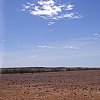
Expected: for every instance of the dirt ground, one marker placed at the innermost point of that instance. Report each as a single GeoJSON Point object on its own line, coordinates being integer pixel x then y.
{"type": "Point", "coordinates": [69, 85]}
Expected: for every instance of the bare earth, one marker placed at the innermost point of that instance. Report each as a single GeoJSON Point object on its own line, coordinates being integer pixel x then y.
{"type": "Point", "coordinates": [69, 85]}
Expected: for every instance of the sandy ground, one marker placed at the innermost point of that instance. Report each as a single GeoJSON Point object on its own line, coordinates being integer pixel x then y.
{"type": "Point", "coordinates": [71, 85]}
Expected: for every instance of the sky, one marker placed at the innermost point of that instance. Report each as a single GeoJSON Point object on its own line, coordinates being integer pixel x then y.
{"type": "Point", "coordinates": [50, 33]}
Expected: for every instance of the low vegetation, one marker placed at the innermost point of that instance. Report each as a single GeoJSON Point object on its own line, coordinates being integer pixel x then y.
{"type": "Point", "coordinates": [41, 69]}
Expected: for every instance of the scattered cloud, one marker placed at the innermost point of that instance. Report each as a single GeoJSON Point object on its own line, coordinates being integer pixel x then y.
{"type": "Point", "coordinates": [44, 46]}
{"type": "Point", "coordinates": [59, 47]}
{"type": "Point", "coordinates": [70, 47]}
{"type": "Point", "coordinates": [75, 44]}
{"type": "Point", "coordinates": [96, 34]}
{"type": "Point", "coordinates": [50, 23]}
{"type": "Point", "coordinates": [51, 10]}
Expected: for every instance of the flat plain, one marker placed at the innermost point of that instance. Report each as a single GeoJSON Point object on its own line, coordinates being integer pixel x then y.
{"type": "Point", "coordinates": [68, 85]}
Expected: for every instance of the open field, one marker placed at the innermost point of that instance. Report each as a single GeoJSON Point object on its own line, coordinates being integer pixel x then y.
{"type": "Point", "coordinates": [65, 85]}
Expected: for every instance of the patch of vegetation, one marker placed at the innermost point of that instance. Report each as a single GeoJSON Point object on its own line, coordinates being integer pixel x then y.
{"type": "Point", "coordinates": [41, 69]}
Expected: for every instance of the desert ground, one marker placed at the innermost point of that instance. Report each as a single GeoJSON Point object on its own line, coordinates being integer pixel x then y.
{"type": "Point", "coordinates": [68, 85]}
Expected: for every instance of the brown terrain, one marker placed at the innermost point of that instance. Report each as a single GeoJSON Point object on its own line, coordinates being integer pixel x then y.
{"type": "Point", "coordinates": [65, 85]}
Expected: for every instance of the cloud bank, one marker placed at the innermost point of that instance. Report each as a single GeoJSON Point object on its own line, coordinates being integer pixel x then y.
{"type": "Point", "coordinates": [51, 10]}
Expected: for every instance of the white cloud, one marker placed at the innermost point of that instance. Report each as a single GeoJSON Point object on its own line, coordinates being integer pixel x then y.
{"type": "Point", "coordinates": [44, 46]}
{"type": "Point", "coordinates": [50, 23]}
{"type": "Point", "coordinates": [49, 2]}
{"type": "Point", "coordinates": [51, 10]}
{"type": "Point", "coordinates": [96, 34]}
{"type": "Point", "coordinates": [70, 47]}
{"type": "Point", "coordinates": [59, 46]}
{"type": "Point", "coordinates": [69, 7]}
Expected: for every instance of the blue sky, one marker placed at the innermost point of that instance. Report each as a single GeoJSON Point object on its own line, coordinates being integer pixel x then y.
{"type": "Point", "coordinates": [50, 33]}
